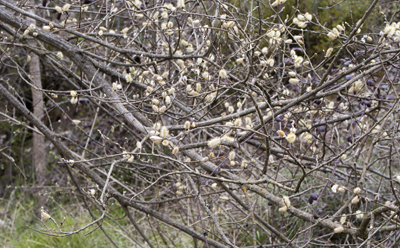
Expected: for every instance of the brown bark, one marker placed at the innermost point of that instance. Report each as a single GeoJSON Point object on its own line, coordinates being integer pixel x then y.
{"type": "Point", "coordinates": [39, 149]}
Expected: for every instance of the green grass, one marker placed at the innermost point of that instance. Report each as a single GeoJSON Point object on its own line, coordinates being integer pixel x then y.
{"type": "Point", "coordinates": [17, 234]}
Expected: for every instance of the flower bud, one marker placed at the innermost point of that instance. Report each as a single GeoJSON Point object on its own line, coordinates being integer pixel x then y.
{"type": "Point", "coordinates": [74, 100]}
{"type": "Point", "coordinates": [338, 229]}
{"type": "Point", "coordinates": [286, 201]}
{"type": "Point", "coordinates": [214, 142]}
{"type": "Point", "coordinates": [58, 9]}
{"type": "Point", "coordinates": [175, 150]}
{"type": "Point", "coordinates": [156, 139]}
{"type": "Point", "coordinates": [44, 215]}
{"type": "Point", "coordinates": [283, 209]}
{"type": "Point", "coordinates": [294, 80]}
{"type": "Point", "coordinates": [329, 52]}
{"type": "Point", "coordinates": [356, 191]}
{"type": "Point", "coordinates": [223, 73]}
{"type": "Point", "coordinates": [291, 137]}
{"type": "Point", "coordinates": [335, 188]}
{"type": "Point", "coordinates": [164, 132]}
{"type": "Point", "coordinates": [232, 155]}
{"type": "Point", "coordinates": [359, 214]}
{"type": "Point", "coordinates": [281, 133]}
{"type": "Point", "coordinates": [187, 125]}
{"type": "Point", "coordinates": [343, 219]}
{"type": "Point", "coordinates": [355, 200]}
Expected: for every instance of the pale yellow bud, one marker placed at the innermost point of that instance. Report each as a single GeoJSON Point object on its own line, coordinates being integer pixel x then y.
{"type": "Point", "coordinates": [162, 109]}
{"type": "Point", "coordinates": [294, 80]}
{"type": "Point", "coordinates": [44, 215]}
{"type": "Point", "coordinates": [283, 209]}
{"type": "Point", "coordinates": [339, 229]}
{"type": "Point", "coordinates": [66, 7]}
{"type": "Point", "coordinates": [240, 60]}
{"type": "Point", "coordinates": [355, 200]}
{"type": "Point", "coordinates": [286, 201]}
{"type": "Point", "coordinates": [58, 9]}
{"type": "Point", "coordinates": [232, 155]}
{"type": "Point", "coordinates": [131, 159]}
{"type": "Point", "coordinates": [74, 100]}
{"type": "Point", "coordinates": [335, 188]}
{"type": "Point", "coordinates": [156, 139]}
{"type": "Point", "coordinates": [223, 73]}
{"type": "Point", "coordinates": [343, 219]}
{"type": "Point", "coordinates": [356, 191]}
{"type": "Point", "coordinates": [187, 125]}
{"type": "Point", "coordinates": [175, 150]}
{"type": "Point", "coordinates": [359, 214]}
{"type": "Point", "coordinates": [291, 137]}
{"type": "Point", "coordinates": [214, 142]}
{"type": "Point", "coordinates": [164, 132]}
{"type": "Point", "coordinates": [329, 52]}
{"type": "Point", "coordinates": [60, 55]}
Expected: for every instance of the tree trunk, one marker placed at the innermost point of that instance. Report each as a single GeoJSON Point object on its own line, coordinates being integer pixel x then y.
{"type": "Point", "coordinates": [39, 152]}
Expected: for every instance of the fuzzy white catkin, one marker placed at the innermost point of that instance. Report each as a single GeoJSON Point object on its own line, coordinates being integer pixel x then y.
{"type": "Point", "coordinates": [286, 201]}
{"type": "Point", "coordinates": [338, 229]}
{"type": "Point", "coordinates": [223, 73]}
{"type": "Point", "coordinates": [283, 209]}
{"type": "Point", "coordinates": [175, 150]}
{"type": "Point", "coordinates": [343, 219]}
{"type": "Point", "coordinates": [45, 215]}
{"type": "Point", "coordinates": [291, 137]}
{"type": "Point", "coordinates": [329, 52]}
{"type": "Point", "coordinates": [164, 132]}
{"type": "Point", "coordinates": [58, 9]}
{"type": "Point", "coordinates": [187, 125]}
{"type": "Point", "coordinates": [232, 155]}
{"type": "Point", "coordinates": [157, 140]}
{"type": "Point", "coordinates": [214, 142]}
{"type": "Point", "coordinates": [355, 200]}
{"type": "Point", "coordinates": [180, 4]}
{"type": "Point", "coordinates": [294, 80]}
{"type": "Point", "coordinates": [74, 100]}
{"type": "Point", "coordinates": [162, 109]}
{"type": "Point", "coordinates": [168, 100]}
{"type": "Point", "coordinates": [264, 50]}
{"type": "Point", "coordinates": [66, 7]}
